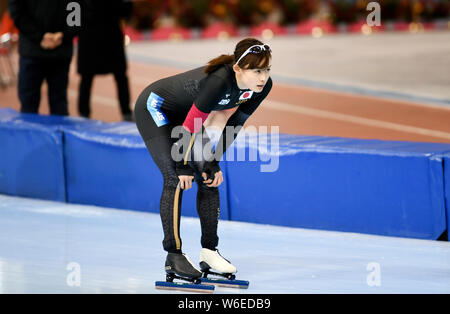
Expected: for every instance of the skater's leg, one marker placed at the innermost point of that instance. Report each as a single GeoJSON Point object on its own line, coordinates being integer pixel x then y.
{"type": "Point", "coordinates": [170, 210]}
{"type": "Point", "coordinates": [208, 200]}
{"type": "Point", "coordinates": [171, 197]}
{"type": "Point", "coordinates": [159, 143]}
{"type": "Point", "coordinates": [208, 208]}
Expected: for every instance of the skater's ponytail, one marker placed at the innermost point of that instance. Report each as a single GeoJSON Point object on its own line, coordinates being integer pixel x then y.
{"type": "Point", "coordinates": [249, 61]}
{"type": "Point", "coordinates": [216, 63]}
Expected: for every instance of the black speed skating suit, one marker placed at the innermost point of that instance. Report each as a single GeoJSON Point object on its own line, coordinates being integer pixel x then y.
{"type": "Point", "coordinates": [164, 105]}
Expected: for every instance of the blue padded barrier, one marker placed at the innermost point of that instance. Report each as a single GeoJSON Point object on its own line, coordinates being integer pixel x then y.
{"type": "Point", "coordinates": [365, 186]}
{"type": "Point", "coordinates": [108, 165]}
{"type": "Point", "coordinates": [31, 155]}
{"type": "Point", "coordinates": [446, 159]}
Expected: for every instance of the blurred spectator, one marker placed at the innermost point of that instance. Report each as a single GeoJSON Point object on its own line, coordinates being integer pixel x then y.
{"type": "Point", "coordinates": [101, 51]}
{"type": "Point", "coordinates": [7, 24]}
{"type": "Point", "coordinates": [248, 13]}
{"type": "Point", "coordinates": [3, 6]}
{"type": "Point", "coordinates": [45, 49]}
{"type": "Point", "coordinates": [8, 41]}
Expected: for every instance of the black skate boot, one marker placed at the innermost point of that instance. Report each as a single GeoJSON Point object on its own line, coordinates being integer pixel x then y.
{"type": "Point", "coordinates": [179, 266]}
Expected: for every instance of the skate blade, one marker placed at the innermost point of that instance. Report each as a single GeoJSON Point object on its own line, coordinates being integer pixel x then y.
{"type": "Point", "coordinates": [183, 286]}
{"type": "Point", "coordinates": [241, 284]}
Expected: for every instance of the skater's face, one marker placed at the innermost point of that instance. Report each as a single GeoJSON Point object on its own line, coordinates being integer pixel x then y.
{"type": "Point", "coordinates": [253, 79]}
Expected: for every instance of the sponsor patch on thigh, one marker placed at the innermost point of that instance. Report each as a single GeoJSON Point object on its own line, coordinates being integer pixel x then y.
{"type": "Point", "coordinates": [154, 103]}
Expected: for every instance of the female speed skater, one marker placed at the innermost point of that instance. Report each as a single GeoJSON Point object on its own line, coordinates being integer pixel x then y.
{"type": "Point", "coordinates": [229, 88]}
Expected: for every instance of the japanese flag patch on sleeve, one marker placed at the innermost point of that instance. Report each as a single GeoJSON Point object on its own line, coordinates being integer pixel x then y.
{"type": "Point", "coordinates": [246, 95]}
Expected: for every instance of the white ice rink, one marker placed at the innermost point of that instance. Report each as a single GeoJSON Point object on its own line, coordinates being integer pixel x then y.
{"type": "Point", "coordinates": [50, 247]}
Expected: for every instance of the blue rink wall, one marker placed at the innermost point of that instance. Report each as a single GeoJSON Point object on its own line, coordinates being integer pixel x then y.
{"type": "Point", "coordinates": [367, 186]}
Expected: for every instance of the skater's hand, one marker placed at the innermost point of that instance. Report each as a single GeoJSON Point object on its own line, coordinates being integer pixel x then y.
{"type": "Point", "coordinates": [186, 182]}
{"type": "Point", "coordinates": [218, 179]}
{"type": "Point", "coordinates": [212, 175]}
{"type": "Point", "coordinates": [185, 173]}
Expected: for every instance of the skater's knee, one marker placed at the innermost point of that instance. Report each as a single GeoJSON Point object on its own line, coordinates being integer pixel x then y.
{"type": "Point", "coordinates": [208, 189]}
{"type": "Point", "coordinates": [171, 181]}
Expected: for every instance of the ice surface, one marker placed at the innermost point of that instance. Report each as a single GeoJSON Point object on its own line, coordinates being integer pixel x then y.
{"type": "Point", "coordinates": [45, 247]}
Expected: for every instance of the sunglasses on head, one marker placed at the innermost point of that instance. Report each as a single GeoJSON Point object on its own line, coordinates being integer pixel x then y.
{"type": "Point", "coordinates": [255, 49]}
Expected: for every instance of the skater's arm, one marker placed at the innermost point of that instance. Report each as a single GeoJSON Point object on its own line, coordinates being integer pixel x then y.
{"type": "Point", "coordinates": [211, 90]}
{"type": "Point", "coordinates": [238, 119]}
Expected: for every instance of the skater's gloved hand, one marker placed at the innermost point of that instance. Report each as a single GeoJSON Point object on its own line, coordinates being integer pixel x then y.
{"type": "Point", "coordinates": [212, 174]}
{"type": "Point", "coordinates": [180, 151]}
{"type": "Point", "coordinates": [186, 174]}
